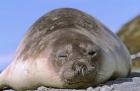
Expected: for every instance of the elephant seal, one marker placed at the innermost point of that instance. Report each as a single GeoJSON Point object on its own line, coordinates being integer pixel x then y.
{"type": "Point", "coordinates": [132, 28]}
{"type": "Point", "coordinates": [66, 48]}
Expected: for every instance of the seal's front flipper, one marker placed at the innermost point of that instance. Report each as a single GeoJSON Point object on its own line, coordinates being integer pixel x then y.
{"type": "Point", "coordinates": [1, 82]}
{"type": "Point", "coordinates": [3, 86]}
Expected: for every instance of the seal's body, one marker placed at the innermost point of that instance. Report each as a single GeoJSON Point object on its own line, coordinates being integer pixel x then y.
{"type": "Point", "coordinates": [66, 48]}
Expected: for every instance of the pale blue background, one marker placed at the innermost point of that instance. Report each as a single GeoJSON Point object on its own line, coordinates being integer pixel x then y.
{"type": "Point", "coordinates": [16, 16]}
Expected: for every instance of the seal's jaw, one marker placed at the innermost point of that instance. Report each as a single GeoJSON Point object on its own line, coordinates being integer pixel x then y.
{"type": "Point", "coordinates": [77, 74]}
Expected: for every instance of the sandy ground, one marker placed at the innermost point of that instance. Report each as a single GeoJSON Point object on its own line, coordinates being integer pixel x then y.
{"type": "Point", "coordinates": [132, 83]}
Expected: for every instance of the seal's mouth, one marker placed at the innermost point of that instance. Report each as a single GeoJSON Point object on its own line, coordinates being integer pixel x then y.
{"type": "Point", "coordinates": [71, 82]}
{"type": "Point", "coordinates": [79, 84]}
{"type": "Point", "coordinates": [73, 79]}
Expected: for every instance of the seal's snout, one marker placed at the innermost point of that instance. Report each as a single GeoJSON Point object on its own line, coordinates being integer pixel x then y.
{"type": "Point", "coordinates": [81, 69]}
{"type": "Point", "coordinates": [79, 72]}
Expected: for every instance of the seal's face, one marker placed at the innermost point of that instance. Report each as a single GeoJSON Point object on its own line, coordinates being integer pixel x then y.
{"type": "Point", "coordinates": [75, 58]}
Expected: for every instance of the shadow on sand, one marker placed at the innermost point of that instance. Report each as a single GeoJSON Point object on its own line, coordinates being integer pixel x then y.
{"type": "Point", "coordinates": [122, 80]}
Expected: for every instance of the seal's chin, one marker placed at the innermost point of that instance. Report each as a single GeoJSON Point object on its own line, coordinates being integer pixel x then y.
{"type": "Point", "coordinates": [74, 79]}
{"type": "Point", "coordinates": [71, 82]}
{"type": "Point", "coordinates": [79, 84]}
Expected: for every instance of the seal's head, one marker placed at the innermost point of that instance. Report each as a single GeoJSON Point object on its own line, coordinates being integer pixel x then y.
{"type": "Point", "coordinates": [75, 58]}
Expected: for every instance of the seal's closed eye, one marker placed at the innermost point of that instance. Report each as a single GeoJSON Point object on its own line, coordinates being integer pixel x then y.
{"type": "Point", "coordinates": [62, 55]}
{"type": "Point", "coordinates": [92, 53]}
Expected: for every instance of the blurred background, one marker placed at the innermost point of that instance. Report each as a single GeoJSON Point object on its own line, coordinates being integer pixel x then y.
{"type": "Point", "coordinates": [16, 16]}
